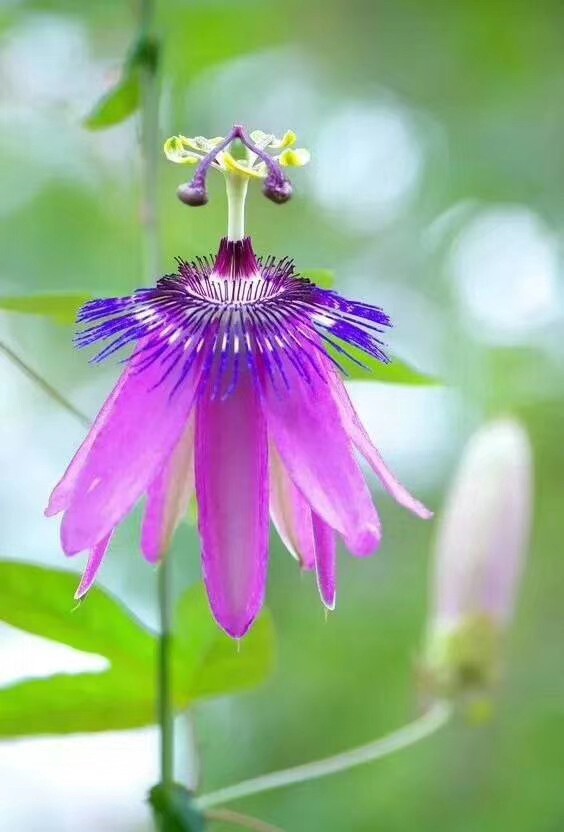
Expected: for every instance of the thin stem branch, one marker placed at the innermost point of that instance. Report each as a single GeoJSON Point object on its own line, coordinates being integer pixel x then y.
{"type": "Point", "coordinates": [164, 674]}
{"type": "Point", "coordinates": [437, 716]}
{"type": "Point", "coordinates": [237, 819]}
{"type": "Point", "coordinates": [47, 388]}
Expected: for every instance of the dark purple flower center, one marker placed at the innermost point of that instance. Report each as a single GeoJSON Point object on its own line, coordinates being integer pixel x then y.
{"type": "Point", "coordinates": [235, 314]}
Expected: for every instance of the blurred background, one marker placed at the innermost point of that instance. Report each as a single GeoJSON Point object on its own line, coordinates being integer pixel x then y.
{"type": "Point", "coordinates": [435, 190]}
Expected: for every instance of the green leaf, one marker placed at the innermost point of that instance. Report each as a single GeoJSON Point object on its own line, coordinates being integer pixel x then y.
{"type": "Point", "coordinates": [124, 99]}
{"type": "Point", "coordinates": [208, 662]}
{"type": "Point", "coordinates": [40, 601]}
{"type": "Point", "coordinates": [324, 278]}
{"type": "Point", "coordinates": [117, 104]}
{"type": "Point", "coordinates": [62, 309]}
{"type": "Point", "coordinates": [205, 661]}
{"type": "Point", "coordinates": [174, 809]}
{"type": "Point", "coordinates": [81, 703]}
{"type": "Point", "coordinates": [397, 372]}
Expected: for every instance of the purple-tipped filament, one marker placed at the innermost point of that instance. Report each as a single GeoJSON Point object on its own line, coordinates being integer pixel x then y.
{"type": "Point", "coordinates": [277, 186]}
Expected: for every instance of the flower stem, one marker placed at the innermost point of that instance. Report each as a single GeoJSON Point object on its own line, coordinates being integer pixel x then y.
{"type": "Point", "coordinates": [150, 100]}
{"type": "Point", "coordinates": [166, 713]}
{"type": "Point", "coordinates": [150, 97]}
{"type": "Point", "coordinates": [437, 716]}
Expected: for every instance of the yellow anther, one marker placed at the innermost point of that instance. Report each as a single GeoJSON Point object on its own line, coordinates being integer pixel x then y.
{"type": "Point", "coordinates": [289, 139]}
{"type": "Point", "coordinates": [294, 158]}
{"type": "Point", "coordinates": [175, 150]}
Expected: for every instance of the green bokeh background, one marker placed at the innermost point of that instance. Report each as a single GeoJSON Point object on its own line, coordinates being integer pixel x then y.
{"type": "Point", "coordinates": [478, 87]}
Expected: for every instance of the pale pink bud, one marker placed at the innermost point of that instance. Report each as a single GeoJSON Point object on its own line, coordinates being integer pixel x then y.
{"type": "Point", "coordinates": [481, 545]}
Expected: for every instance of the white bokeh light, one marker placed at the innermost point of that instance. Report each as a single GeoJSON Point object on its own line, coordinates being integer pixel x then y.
{"type": "Point", "coordinates": [505, 264]}
{"type": "Point", "coordinates": [46, 59]}
{"type": "Point", "coordinates": [287, 92]}
{"type": "Point", "coordinates": [368, 163]}
{"type": "Point", "coordinates": [49, 79]}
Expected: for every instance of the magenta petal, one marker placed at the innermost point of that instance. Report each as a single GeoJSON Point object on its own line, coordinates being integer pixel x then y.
{"type": "Point", "coordinates": [63, 491]}
{"type": "Point", "coordinates": [168, 497]}
{"type": "Point", "coordinates": [306, 428]}
{"type": "Point", "coordinates": [232, 486]}
{"type": "Point", "coordinates": [93, 566]}
{"type": "Point", "coordinates": [144, 423]}
{"type": "Point", "coordinates": [290, 513]}
{"type": "Point", "coordinates": [362, 442]}
{"type": "Point", "coordinates": [325, 561]}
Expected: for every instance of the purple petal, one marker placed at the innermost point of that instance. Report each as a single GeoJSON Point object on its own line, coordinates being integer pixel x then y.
{"type": "Point", "coordinates": [305, 425]}
{"type": "Point", "coordinates": [232, 486]}
{"type": "Point", "coordinates": [325, 561]}
{"type": "Point", "coordinates": [290, 513]}
{"type": "Point", "coordinates": [93, 566]}
{"type": "Point", "coordinates": [143, 424]}
{"type": "Point", "coordinates": [362, 442]}
{"type": "Point", "coordinates": [168, 497]}
{"type": "Point", "coordinates": [63, 491]}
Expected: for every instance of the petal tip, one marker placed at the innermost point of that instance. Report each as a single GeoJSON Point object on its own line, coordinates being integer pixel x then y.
{"type": "Point", "coordinates": [152, 554]}
{"type": "Point", "coordinates": [329, 602]}
{"type": "Point", "coordinates": [69, 544]}
{"type": "Point", "coordinates": [53, 507]}
{"type": "Point", "coordinates": [366, 542]}
{"type": "Point", "coordinates": [419, 510]}
{"type": "Point", "coordinates": [236, 629]}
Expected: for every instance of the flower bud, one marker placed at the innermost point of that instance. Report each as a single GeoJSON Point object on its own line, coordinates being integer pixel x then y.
{"type": "Point", "coordinates": [479, 555]}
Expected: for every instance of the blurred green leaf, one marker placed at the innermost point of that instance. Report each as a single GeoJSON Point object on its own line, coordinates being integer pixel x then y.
{"type": "Point", "coordinates": [209, 663]}
{"type": "Point", "coordinates": [397, 372]}
{"type": "Point", "coordinates": [40, 601]}
{"type": "Point", "coordinates": [174, 809]}
{"type": "Point", "coordinates": [123, 99]}
{"type": "Point", "coordinates": [81, 703]}
{"type": "Point", "coordinates": [117, 104]}
{"type": "Point", "coordinates": [144, 54]}
{"type": "Point", "coordinates": [324, 278]}
{"type": "Point", "coordinates": [62, 309]}
{"type": "Point", "coordinates": [206, 662]}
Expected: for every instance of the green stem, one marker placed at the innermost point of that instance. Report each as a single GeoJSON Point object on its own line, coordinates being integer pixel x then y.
{"type": "Point", "coordinates": [47, 388]}
{"type": "Point", "coordinates": [437, 716]}
{"type": "Point", "coordinates": [151, 237]}
{"type": "Point", "coordinates": [237, 819]}
{"type": "Point", "coordinates": [164, 676]}
{"type": "Point", "coordinates": [150, 86]}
